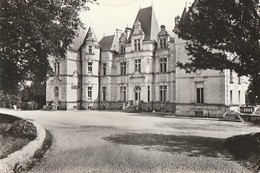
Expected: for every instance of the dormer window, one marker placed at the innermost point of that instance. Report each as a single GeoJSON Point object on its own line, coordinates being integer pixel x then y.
{"type": "Point", "coordinates": [137, 44]}
{"type": "Point", "coordinates": [162, 38]}
{"type": "Point", "coordinates": [90, 49]}
{"type": "Point", "coordinates": [163, 43]}
{"type": "Point", "coordinates": [122, 49]}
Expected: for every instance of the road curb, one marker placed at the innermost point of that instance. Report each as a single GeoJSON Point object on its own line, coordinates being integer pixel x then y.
{"type": "Point", "coordinates": [22, 158]}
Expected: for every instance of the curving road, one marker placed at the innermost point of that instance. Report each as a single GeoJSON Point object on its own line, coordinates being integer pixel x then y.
{"type": "Point", "coordinates": [114, 142]}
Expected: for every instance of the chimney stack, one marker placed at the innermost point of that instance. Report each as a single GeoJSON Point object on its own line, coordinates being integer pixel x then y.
{"type": "Point", "coordinates": [127, 32]}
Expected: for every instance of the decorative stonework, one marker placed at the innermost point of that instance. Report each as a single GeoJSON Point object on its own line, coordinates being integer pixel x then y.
{"type": "Point", "coordinates": [137, 29]}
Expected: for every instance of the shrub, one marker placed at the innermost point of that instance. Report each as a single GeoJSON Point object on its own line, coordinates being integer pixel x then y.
{"type": "Point", "coordinates": [8, 100]}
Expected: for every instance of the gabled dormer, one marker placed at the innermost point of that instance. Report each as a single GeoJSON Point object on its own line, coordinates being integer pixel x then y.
{"type": "Point", "coordinates": [145, 29]}
{"type": "Point", "coordinates": [90, 37]}
{"type": "Point", "coordinates": [137, 36]}
{"type": "Point", "coordinates": [137, 29]}
{"type": "Point", "coordinates": [163, 38]}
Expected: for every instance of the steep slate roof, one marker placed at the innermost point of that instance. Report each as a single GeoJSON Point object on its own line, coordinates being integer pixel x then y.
{"type": "Point", "coordinates": [91, 36]}
{"type": "Point", "coordinates": [107, 42]}
{"type": "Point", "coordinates": [149, 24]}
{"type": "Point", "coordinates": [81, 37]}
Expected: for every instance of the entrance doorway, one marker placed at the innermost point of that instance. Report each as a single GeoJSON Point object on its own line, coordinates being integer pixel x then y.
{"type": "Point", "coordinates": [137, 95]}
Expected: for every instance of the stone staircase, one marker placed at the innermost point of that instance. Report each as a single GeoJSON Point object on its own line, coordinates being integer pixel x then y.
{"type": "Point", "coordinates": [132, 109]}
{"type": "Point", "coordinates": [50, 107]}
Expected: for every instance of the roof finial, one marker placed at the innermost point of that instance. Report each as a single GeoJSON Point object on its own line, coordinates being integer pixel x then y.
{"type": "Point", "coordinates": [139, 6]}
{"type": "Point", "coordinates": [186, 4]}
{"type": "Point", "coordinates": [152, 3]}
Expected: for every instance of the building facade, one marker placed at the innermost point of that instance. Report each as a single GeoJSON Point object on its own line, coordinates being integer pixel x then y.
{"type": "Point", "coordinates": [137, 67]}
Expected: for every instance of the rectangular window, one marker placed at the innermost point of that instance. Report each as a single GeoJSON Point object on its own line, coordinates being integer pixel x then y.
{"type": "Point", "coordinates": [122, 49]}
{"type": "Point", "coordinates": [137, 44]}
{"type": "Point", "coordinates": [90, 67]}
{"type": "Point", "coordinates": [123, 93]}
{"type": "Point", "coordinates": [56, 91]}
{"type": "Point", "coordinates": [89, 92]}
{"type": "Point", "coordinates": [163, 65]}
{"type": "Point", "coordinates": [231, 97]}
{"type": "Point", "coordinates": [239, 80]}
{"type": "Point", "coordinates": [148, 93]}
{"type": "Point", "coordinates": [90, 49]}
{"type": "Point", "coordinates": [57, 67]}
{"type": "Point", "coordinates": [104, 69]}
{"type": "Point", "coordinates": [163, 43]}
{"type": "Point", "coordinates": [163, 92]}
{"type": "Point", "coordinates": [200, 95]}
{"type": "Point", "coordinates": [231, 76]}
{"type": "Point", "coordinates": [123, 68]}
{"type": "Point", "coordinates": [138, 65]}
{"type": "Point", "coordinates": [104, 91]}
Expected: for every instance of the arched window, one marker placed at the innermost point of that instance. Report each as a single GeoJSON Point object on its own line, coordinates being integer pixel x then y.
{"type": "Point", "coordinates": [56, 91]}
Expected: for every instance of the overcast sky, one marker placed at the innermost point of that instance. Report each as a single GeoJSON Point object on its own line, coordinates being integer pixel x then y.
{"type": "Point", "coordinates": [110, 15]}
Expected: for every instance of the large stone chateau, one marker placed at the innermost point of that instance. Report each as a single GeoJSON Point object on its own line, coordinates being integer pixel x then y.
{"type": "Point", "coordinates": [138, 67]}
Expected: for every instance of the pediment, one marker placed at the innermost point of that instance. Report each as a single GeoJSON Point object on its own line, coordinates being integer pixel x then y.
{"type": "Point", "coordinates": [137, 29]}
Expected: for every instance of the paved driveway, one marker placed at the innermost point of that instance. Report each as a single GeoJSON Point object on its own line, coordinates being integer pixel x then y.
{"type": "Point", "coordinates": [113, 142]}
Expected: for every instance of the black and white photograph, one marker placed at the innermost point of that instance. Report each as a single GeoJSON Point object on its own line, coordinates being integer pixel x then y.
{"type": "Point", "coordinates": [129, 86]}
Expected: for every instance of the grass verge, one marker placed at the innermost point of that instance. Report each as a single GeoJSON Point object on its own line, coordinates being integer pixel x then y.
{"type": "Point", "coordinates": [39, 154]}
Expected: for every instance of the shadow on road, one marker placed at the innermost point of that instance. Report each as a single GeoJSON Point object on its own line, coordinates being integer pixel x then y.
{"type": "Point", "coordinates": [193, 146]}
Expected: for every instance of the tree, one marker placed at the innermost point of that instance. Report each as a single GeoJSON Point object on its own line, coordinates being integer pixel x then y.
{"type": "Point", "coordinates": [36, 92]}
{"type": "Point", "coordinates": [30, 32]}
{"type": "Point", "coordinates": [253, 93]}
{"type": "Point", "coordinates": [222, 34]}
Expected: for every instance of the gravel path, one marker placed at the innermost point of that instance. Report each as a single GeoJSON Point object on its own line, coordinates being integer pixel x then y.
{"type": "Point", "coordinates": [113, 142]}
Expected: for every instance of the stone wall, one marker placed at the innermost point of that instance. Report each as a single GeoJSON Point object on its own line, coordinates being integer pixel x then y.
{"type": "Point", "coordinates": [112, 105]}
{"type": "Point", "coordinates": [199, 110]}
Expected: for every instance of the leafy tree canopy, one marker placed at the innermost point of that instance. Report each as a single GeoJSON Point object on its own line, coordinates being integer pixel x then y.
{"type": "Point", "coordinates": [32, 30]}
{"type": "Point", "coordinates": [222, 34]}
